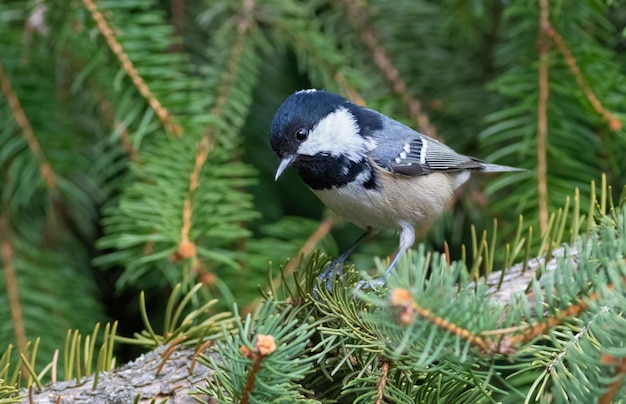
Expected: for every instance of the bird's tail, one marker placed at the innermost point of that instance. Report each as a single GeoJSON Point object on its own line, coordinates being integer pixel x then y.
{"type": "Point", "coordinates": [497, 168]}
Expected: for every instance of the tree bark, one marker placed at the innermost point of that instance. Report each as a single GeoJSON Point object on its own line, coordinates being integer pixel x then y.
{"type": "Point", "coordinates": [136, 380]}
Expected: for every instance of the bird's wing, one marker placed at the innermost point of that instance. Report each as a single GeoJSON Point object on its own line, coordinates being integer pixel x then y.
{"type": "Point", "coordinates": [421, 155]}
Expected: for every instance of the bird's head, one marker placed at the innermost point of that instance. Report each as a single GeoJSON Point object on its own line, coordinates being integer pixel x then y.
{"type": "Point", "coordinates": [312, 126]}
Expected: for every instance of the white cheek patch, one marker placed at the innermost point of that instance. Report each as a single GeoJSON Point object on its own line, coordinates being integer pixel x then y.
{"type": "Point", "coordinates": [337, 134]}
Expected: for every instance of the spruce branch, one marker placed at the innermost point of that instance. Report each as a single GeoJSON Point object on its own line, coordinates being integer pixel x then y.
{"type": "Point", "coordinates": [265, 345]}
{"type": "Point", "coordinates": [348, 90]}
{"type": "Point", "coordinates": [245, 23]}
{"type": "Point", "coordinates": [380, 394]}
{"type": "Point", "coordinates": [107, 110]}
{"type": "Point", "coordinates": [110, 37]}
{"type": "Point", "coordinates": [168, 352]}
{"type": "Point", "coordinates": [618, 378]}
{"type": "Point", "coordinates": [320, 53]}
{"type": "Point", "coordinates": [177, 9]}
{"type": "Point", "coordinates": [272, 344]}
{"type": "Point", "coordinates": [548, 32]}
{"type": "Point", "coordinates": [307, 248]}
{"type": "Point", "coordinates": [12, 282]}
{"type": "Point", "coordinates": [265, 359]}
{"type": "Point", "coordinates": [9, 394]}
{"type": "Point", "coordinates": [27, 131]}
{"type": "Point", "coordinates": [186, 247]}
{"type": "Point", "coordinates": [409, 308]}
{"type": "Point", "coordinates": [613, 122]}
{"type": "Point", "coordinates": [542, 118]}
{"type": "Point", "coordinates": [358, 18]}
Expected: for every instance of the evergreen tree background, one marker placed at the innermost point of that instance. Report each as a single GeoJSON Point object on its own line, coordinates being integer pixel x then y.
{"type": "Point", "coordinates": [134, 144]}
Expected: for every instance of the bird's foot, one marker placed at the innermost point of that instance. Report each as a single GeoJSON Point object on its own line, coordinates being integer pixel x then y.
{"type": "Point", "coordinates": [371, 284]}
{"type": "Point", "coordinates": [374, 284]}
{"type": "Point", "coordinates": [328, 275]}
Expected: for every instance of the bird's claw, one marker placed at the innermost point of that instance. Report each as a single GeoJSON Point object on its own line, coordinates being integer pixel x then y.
{"type": "Point", "coordinates": [327, 276]}
{"type": "Point", "coordinates": [371, 284]}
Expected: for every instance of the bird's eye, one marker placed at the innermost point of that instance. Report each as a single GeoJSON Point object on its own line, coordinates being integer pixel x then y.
{"type": "Point", "coordinates": [302, 134]}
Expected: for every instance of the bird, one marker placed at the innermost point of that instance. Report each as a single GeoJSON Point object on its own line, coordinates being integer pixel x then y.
{"type": "Point", "coordinates": [367, 167]}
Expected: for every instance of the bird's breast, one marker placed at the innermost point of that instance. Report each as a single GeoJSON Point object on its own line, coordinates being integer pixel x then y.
{"type": "Point", "coordinates": [395, 199]}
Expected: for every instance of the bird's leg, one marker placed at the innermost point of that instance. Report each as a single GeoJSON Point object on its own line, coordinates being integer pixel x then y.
{"type": "Point", "coordinates": [336, 266]}
{"type": "Point", "coordinates": [407, 238]}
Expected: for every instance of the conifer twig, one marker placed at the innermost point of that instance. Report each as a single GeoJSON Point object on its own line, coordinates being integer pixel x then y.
{"type": "Point", "coordinates": [358, 18]}
{"type": "Point", "coordinates": [164, 115]}
{"type": "Point", "coordinates": [614, 123]}
{"type": "Point", "coordinates": [187, 248]}
{"type": "Point", "coordinates": [322, 231]}
{"type": "Point", "coordinates": [620, 372]}
{"type": "Point", "coordinates": [265, 345]}
{"type": "Point", "coordinates": [27, 130]}
{"type": "Point", "coordinates": [197, 354]}
{"type": "Point", "coordinates": [177, 8]}
{"type": "Point", "coordinates": [509, 343]}
{"type": "Point", "coordinates": [246, 21]}
{"type": "Point", "coordinates": [542, 117]}
{"type": "Point", "coordinates": [380, 394]}
{"type": "Point", "coordinates": [168, 352]}
{"type": "Point", "coordinates": [11, 281]}
{"type": "Point", "coordinates": [409, 308]}
{"type": "Point", "coordinates": [534, 331]}
{"type": "Point", "coordinates": [350, 92]}
{"type": "Point", "coordinates": [105, 107]}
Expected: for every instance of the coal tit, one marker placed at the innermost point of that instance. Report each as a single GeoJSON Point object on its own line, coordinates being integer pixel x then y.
{"type": "Point", "coordinates": [367, 167]}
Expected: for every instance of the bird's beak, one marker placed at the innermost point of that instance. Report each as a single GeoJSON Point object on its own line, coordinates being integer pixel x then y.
{"type": "Point", "coordinates": [284, 163]}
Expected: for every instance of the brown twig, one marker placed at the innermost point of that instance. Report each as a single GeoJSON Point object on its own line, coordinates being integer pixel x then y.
{"type": "Point", "coordinates": [265, 345]}
{"type": "Point", "coordinates": [534, 331]}
{"type": "Point", "coordinates": [349, 91]}
{"type": "Point", "coordinates": [27, 130]}
{"type": "Point", "coordinates": [509, 343]}
{"type": "Point", "coordinates": [322, 231]}
{"type": "Point", "coordinates": [251, 379]}
{"type": "Point", "coordinates": [55, 362]}
{"type": "Point", "coordinates": [178, 22]}
{"type": "Point", "coordinates": [246, 21]}
{"type": "Point", "coordinates": [446, 252]}
{"type": "Point", "coordinates": [542, 117]}
{"type": "Point", "coordinates": [10, 277]}
{"type": "Point", "coordinates": [380, 394]}
{"type": "Point", "coordinates": [614, 387]}
{"type": "Point", "coordinates": [103, 26]}
{"type": "Point", "coordinates": [614, 122]}
{"type": "Point", "coordinates": [186, 248]}
{"type": "Point", "coordinates": [197, 354]}
{"type": "Point", "coordinates": [168, 352]}
{"type": "Point", "coordinates": [403, 299]}
{"type": "Point", "coordinates": [107, 111]}
{"type": "Point", "coordinates": [452, 328]}
{"type": "Point", "coordinates": [358, 17]}
{"type": "Point", "coordinates": [546, 32]}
